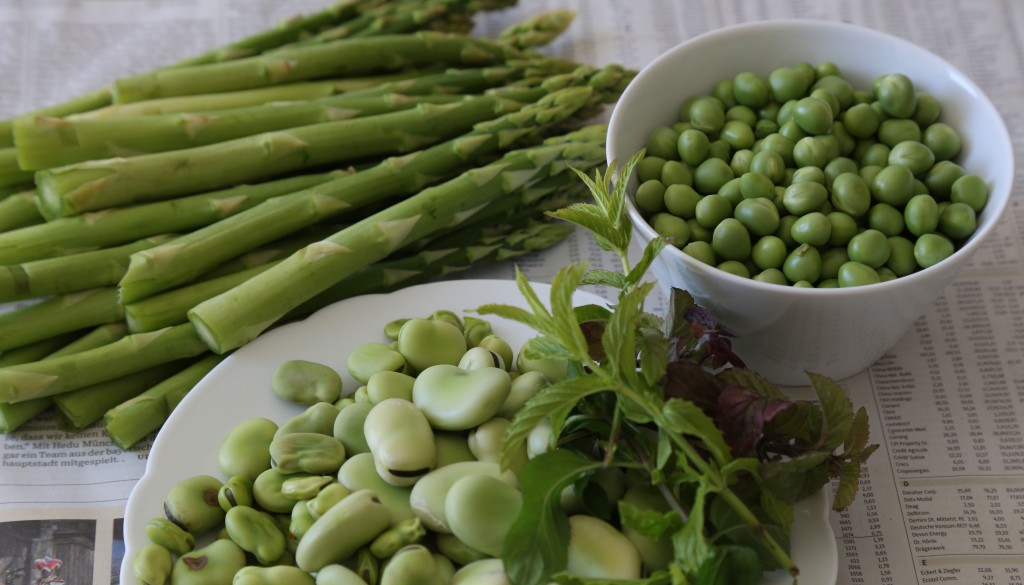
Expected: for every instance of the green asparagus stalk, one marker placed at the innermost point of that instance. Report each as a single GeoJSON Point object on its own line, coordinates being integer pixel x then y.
{"type": "Point", "coordinates": [90, 101]}
{"type": "Point", "coordinates": [342, 58]}
{"type": "Point", "coordinates": [391, 18]}
{"type": "Point", "coordinates": [164, 267]}
{"type": "Point", "coordinates": [133, 353]}
{"type": "Point", "coordinates": [50, 142]}
{"type": "Point", "coordinates": [75, 272]}
{"type": "Point", "coordinates": [130, 422]}
{"type": "Point", "coordinates": [19, 210]}
{"type": "Point", "coordinates": [234, 318]}
{"type": "Point", "coordinates": [290, 92]}
{"type": "Point", "coordinates": [10, 173]}
{"type": "Point", "coordinates": [112, 227]}
{"type": "Point", "coordinates": [80, 408]}
{"type": "Point", "coordinates": [538, 30]}
{"type": "Point", "coordinates": [58, 315]}
{"type": "Point", "coordinates": [96, 185]}
{"type": "Point", "coordinates": [14, 415]}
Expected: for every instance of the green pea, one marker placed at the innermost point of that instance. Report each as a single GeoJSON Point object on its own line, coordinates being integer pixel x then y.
{"type": "Point", "coordinates": [701, 251]}
{"type": "Point", "coordinates": [649, 168]}
{"type": "Point", "coordinates": [712, 209]}
{"type": "Point", "coordinates": [764, 128]}
{"type": "Point", "coordinates": [915, 156]}
{"type": "Point", "coordinates": [892, 132]}
{"type": "Point", "coordinates": [758, 215]}
{"type": "Point", "coordinates": [838, 87]}
{"type": "Point", "coordinates": [772, 276]}
{"type": "Point", "coordinates": [856, 274]}
{"type": "Point", "coordinates": [780, 144]}
{"type": "Point", "coordinates": [735, 267]}
{"type": "Point", "coordinates": [740, 162]}
{"type": "Point", "coordinates": [785, 231]}
{"type": "Point", "coordinates": [940, 178]}
{"type": "Point", "coordinates": [813, 174]}
{"type": "Point", "coordinates": [662, 143]}
{"type": "Point", "coordinates": [768, 252]}
{"type": "Point", "coordinates": [862, 97]}
{"type": "Point", "coordinates": [831, 260]}
{"type": "Point", "coordinates": [693, 146]}
{"type": "Point", "coordinates": [971, 190]}
{"type": "Point", "coordinates": [790, 129]}
{"type": "Point", "coordinates": [828, 98]}
{"type": "Point", "coordinates": [844, 227]}
{"type": "Point", "coordinates": [731, 240]}
{"type": "Point", "coordinates": [812, 228]}
{"type": "Point", "coordinates": [862, 146]}
{"type": "Point", "coordinates": [731, 191]}
{"type": "Point", "coordinates": [851, 195]}
{"type": "Point", "coordinates": [921, 215]}
{"type": "Point", "coordinates": [920, 188]}
{"type": "Point", "coordinates": [893, 185]}
{"type": "Point", "coordinates": [681, 127]}
{"type": "Point", "coordinates": [786, 111]}
{"type": "Point", "coordinates": [737, 134]}
{"type": "Point", "coordinates": [958, 221]}
{"type": "Point", "coordinates": [869, 247]}
{"type": "Point", "coordinates": [673, 229]}
{"type": "Point", "coordinates": [927, 111]}
{"type": "Point", "coordinates": [930, 249]}
{"type": "Point", "coordinates": [804, 197]}
{"type": "Point", "coordinates": [885, 275]}
{"type": "Point", "coordinates": [802, 284]}
{"type": "Point", "coordinates": [811, 152]}
{"type": "Point", "coordinates": [720, 149]}
{"type": "Point", "coordinates": [750, 90]}
{"type": "Point", "coordinates": [846, 142]}
{"type": "Point", "coordinates": [707, 114]}
{"type": "Point", "coordinates": [787, 84]}
{"type": "Point", "coordinates": [813, 115]}
{"type": "Point", "coordinates": [681, 201]}
{"type": "Point", "coordinates": [742, 114]}
{"type": "Point", "coordinates": [838, 166]}
{"type": "Point", "coordinates": [674, 172]}
{"type": "Point", "coordinates": [943, 140]}
{"type": "Point", "coordinates": [684, 108]}
{"type": "Point", "coordinates": [753, 185]}
{"type": "Point", "coordinates": [650, 197]}
{"type": "Point", "coordinates": [886, 219]}
{"type": "Point", "coordinates": [895, 93]}
{"type": "Point", "coordinates": [699, 233]}
{"type": "Point", "coordinates": [829, 283]}
{"type": "Point", "coordinates": [803, 263]}
{"type": "Point", "coordinates": [875, 155]}
{"type": "Point", "coordinates": [770, 164]}
{"type": "Point", "coordinates": [711, 174]}
{"type": "Point", "coordinates": [806, 70]}
{"type": "Point", "coordinates": [861, 121]}
{"type": "Point", "coordinates": [724, 91]}
{"type": "Point", "coordinates": [869, 172]}
{"type": "Point", "coordinates": [901, 259]}
{"type": "Point", "coordinates": [882, 114]}
{"type": "Point", "coordinates": [825, 68]}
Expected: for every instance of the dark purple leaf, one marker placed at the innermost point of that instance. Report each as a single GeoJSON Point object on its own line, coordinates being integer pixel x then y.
{"type": "Point", "coordinates": [742, 415]}
{"type": "Point", "coordinates": [592, 332]}
{"type": "Point", "coordinates": [692, 382]}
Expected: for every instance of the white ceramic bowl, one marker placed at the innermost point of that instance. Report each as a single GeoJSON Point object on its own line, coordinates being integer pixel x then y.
{"type": "Point", "coordinates": [785, 331]}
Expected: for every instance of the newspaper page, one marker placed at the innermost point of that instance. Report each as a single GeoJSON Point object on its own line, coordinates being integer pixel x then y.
{"type": "Point", "coordinates": [942, 501]}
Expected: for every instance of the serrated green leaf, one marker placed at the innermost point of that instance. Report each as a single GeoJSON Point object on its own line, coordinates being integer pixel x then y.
{"type": "Point", "coordinates": [582, 214]}
{"type": "Point", "coordinates": [537, 543]}
{"type": "Point", "coordinates": [604, 278]}
{"type": "Point", "coordinates": [558, 398]}
{"type": "Point", "coordinates": [836, 408]}
{"type": "Point", "coordinates": [619, 338]}
{"type": "Point", "coordinates": [664, 449]}
{"type": "Point", "coordinates": [738, 465]}
{"type": "Point", "coordinates": [586, 313]}
{"type": "Point", "coordinates": [545, 348]}
{"type": "Point", "coordinates": [752, 380]}
{"type": "Point", "coordinates": [680, 302]}
{"type": "Point", "coordinates": [651, 251]}
{"type": "Point", "coordinates": [859, 433]}
{"type": "Point", "coordinates": [540, 311]}
{"type": "Point", "coordinates": [618, 195]}
{"type": "Point", "coordinates": [690, 544]}
{"type": "Point", "coordinates": [563, 285]}
{"type": "Point", "coordinates": [595, 185]}
{"type": "Point", "coordinates": [653, 356]}
{"type": "Point", "coordinates": [685, 417]}
{"type": "Point", "coordinates": [779, 511]}
{"type": "Point", "coordinates": [849, 480]}
{"type": "Point", "coordinates": [511, 313]}
{"type": "Point", "coordinates": [648, 522]}
{"type": "Point", "coordinates": [788, 479]}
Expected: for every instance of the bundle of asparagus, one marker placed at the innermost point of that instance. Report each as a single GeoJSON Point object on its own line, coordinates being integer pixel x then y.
{"type": "Point", "coordinates": [173, 216]}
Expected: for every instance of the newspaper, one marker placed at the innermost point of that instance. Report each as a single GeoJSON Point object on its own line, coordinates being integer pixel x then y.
{"type": "Point", "coordinates": [942, 501]}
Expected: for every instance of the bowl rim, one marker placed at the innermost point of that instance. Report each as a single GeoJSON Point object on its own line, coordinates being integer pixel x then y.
{"type": "Point", "coordinates": [998, 132]}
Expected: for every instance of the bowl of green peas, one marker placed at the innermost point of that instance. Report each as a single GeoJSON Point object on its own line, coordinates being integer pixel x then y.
{"type": "Point", "coordinates": [818, 185]}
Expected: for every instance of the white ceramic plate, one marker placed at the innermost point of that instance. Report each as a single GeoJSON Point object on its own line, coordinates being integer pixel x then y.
{"type": "Point", "coordinates": [239, 389]}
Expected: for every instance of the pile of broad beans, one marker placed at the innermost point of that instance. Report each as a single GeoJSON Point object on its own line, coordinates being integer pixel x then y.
{"type": "Point", "coordinates": [800, 179]}
{"type": "Point", "coordinates": [395, 483]}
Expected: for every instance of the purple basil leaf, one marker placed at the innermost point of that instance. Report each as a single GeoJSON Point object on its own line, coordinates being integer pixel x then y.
{"type": "Point", "coordinates": [692, 382]}
{"type": "Point", "coordinates": [742, 415]}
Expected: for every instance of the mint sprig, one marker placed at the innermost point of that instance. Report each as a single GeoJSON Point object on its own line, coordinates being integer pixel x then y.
{"type": "Point", "coordinates": [666, 401]}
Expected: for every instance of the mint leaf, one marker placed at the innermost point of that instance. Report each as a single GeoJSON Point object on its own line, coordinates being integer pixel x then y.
{"type": "Point", "coordinates": [653, 349]}
{"type": "Point", "coordinates": [837, 410]}
{"type": "Point", "coordinates": [617, 208]}
{"type": "Point", "coordinates": [648, 522]}
{"type": "Point", "coordinates": [589, 216]}
{"type": "Point", "coordinates": [687, 418]}
{"type": "Point", "coordinates": [859, 434]}
{"type": "Point", "coordinates": [651, 251]}
{"type": "Point", "coordinates": [796, 478]}
{"type": "Point", "coordinates": [690, 544]}
{"type": "Point", "coordinates": [563, 285]}
{"type": "Point", "coordinates": [605, 278]}
{"type": "Point", "coordinates": [619, 338]}
{"type": "Point", "coordinates": [846, 491]}
{"type": "Point", "coordinates": [537, 543]}
{"type": "Point", "coordinates": [753, 381]}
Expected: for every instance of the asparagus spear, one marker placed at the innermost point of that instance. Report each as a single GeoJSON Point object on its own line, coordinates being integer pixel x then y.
{"type": "Point", "coordinates": [80, 408]}
{"type": "Point", "coordinates": [131, 421]}
{"type": "Point", "coordinates": [19, 210]}
{"type": "Point", "coordinates": [390, 18]}
{"type": "Point", "coordinates": [163, 267]}
{"type": "Point", "coordinates": [99, 229]}
{"type": "Point", "coordinates": [290, 92]}
{"type": "Point", "coordinates": [51, 142]}
{"type": "Point", "coordinates": [342, 58]}
{"type": "Point", "coordinates": [75, 272]}
{"type": "Point", "coordinates": [234, 318]}
{"type": "Point", "coordinates": [63, 314]}
{"type": "Point", "coordinates": [13, 416]}
{"type": "Point", "coordinates": [538, 30]}
{"type": "Point", "coordinates": [133, 353]}
{"type": "Point", "coordinates": [10, 173]}
{"type": "Point", "coordinates": [96, 185]}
